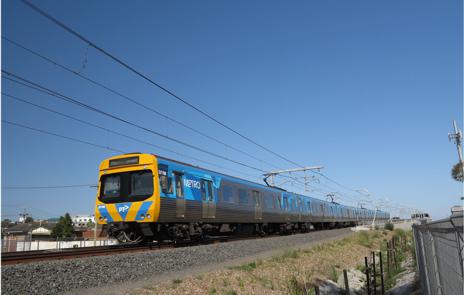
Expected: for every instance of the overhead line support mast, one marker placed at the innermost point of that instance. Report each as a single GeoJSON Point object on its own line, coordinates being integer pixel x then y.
{"type": "Point", "coordinates": [270, 175]}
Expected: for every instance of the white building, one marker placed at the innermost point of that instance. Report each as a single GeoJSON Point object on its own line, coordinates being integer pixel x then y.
{"type": "Point", "coordinates": [82, 220]}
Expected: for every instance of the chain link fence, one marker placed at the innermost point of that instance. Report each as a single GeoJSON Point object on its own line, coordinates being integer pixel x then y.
{"type": "Point", "coordinates": [439, 252]}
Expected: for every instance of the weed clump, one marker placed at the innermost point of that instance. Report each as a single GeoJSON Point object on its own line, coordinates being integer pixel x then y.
{"type": "Point", "coordinates": [245, 267]}
{"type": "Point", "coordinates": [389, 226]}
{"type": "Point", "coordinates": [294, 287]}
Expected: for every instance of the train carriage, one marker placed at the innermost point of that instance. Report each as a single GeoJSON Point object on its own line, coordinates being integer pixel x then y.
{"type": "Point", "coordinates": [145, 197]}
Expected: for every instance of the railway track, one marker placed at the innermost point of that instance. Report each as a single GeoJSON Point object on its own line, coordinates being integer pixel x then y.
{"type": "Point", "coordinates": [45, 255]}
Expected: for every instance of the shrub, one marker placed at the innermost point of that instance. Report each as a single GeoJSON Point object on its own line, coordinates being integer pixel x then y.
{"type": "Point", "coordinates": [389, 226]}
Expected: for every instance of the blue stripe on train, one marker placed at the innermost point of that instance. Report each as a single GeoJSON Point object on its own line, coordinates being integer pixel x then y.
{"type": "Point", "coordinates": [104, 212]}
{"type": "Point", "coordinates": [143, 210]}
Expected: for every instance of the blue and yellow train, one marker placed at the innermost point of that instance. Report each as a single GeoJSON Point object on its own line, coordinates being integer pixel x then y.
{"type": "Point", "coordinates": [143, 197]}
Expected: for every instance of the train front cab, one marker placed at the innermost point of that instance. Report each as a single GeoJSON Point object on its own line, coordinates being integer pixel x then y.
{"type": "Point", "coordinates": [128, 199]}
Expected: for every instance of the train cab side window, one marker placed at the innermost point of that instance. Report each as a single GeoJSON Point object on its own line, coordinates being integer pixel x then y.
{"type": "Point", "coordinates": [178, 185]}
{"type": "Point", "coordinates": [165, 181]}
{"type": "Point", "coordinates": [285, 203]}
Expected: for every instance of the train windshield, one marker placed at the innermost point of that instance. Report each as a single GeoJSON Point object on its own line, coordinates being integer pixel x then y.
{"type": "Point", "coordinates": [126, 187]}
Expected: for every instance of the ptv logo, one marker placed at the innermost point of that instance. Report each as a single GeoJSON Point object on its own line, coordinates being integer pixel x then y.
{"type": "Point", "coordinates": [123, 209]}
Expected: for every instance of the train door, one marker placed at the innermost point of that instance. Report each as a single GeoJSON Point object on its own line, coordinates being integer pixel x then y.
{"type": "Point", "coordinates": [286, 208]}
{"type": "Point", "coordinates": [257, 197]}
{"type": "Point", "coordinates": [180, 198]}
{"type": "Point", "coordinates": [207, 196]}
{"type": "Point", "coordinates": [299, 207]}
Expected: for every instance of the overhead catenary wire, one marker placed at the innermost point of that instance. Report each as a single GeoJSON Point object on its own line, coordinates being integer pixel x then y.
{"type": "Point", "coordinates": [16, 98]}
{"type": "Point", "coordinates": [91, 108]}
{"type": "Point", "coordinates": [50, 92]}
{"type": "Point", "coordinates": [134, 101]}
{"type": "Point", "coordinates": [61, 136]}
{"type": "Point", "coordinates": [47, 187]}
{"type": "Point", "coordinates": [150, 80]}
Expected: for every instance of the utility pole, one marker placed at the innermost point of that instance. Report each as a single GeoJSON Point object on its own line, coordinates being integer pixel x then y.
{"type": "Point", "coordinates": [457, 138]}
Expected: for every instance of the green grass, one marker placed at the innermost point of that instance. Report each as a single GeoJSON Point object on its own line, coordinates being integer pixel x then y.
{"type": "Point", "coordinates": [230, 292]}
{"type": "Point", "coordinates": [294, 287]}
{"type": "Point", "coordinates": [333, 274]}
{"type": "Point", "coordinates": [364, 239]}
{"type": "Point", "coordinates": [245, 267]}
{"type": "Point", "coordinates": [176, 281]}
{"type": "Point", "coordinates": [212, 291]}
{"type": "Point", "coordinates": [291, 254]}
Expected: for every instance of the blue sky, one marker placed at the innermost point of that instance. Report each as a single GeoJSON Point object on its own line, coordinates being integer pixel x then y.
{"type": "Point", "coordinates": [369, 90]}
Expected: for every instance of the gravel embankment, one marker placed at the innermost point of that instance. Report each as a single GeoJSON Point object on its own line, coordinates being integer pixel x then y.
{"type": "Point", "coordinates": [55, 277]}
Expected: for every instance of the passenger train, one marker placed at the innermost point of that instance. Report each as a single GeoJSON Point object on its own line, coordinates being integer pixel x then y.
{"type": "Point", "coordinates": [144, 197]}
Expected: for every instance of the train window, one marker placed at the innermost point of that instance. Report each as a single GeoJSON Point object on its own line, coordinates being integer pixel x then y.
{"type": "Point", "coordinates": [279, 202]}
{"type": "Point", "coordinates": [209, 187]}
{"type": "Point", "coordinates": [242, 196]}
{"type": "Point", "coordinates": [126, 186]}
{"type": "Point", "coordinates": [111, 185]}
{"type": "Point", "coordinates": [285, 203]}
{"type": "Point", "coordinates": [141, 183]}
{"type": "Point", "coordinates": [227, 194]}
{"type": "Point", "coordinates": [268, 202]}
{"type": "Point", "coordinates": [178, 184]}
{"type": "Point", "coordinates": [308, 205]}
{"type": "Point", "coordinates": [165, 181]}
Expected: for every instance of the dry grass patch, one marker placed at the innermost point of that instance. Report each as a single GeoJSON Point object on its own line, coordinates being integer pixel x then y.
{"type": "Point", "coordinates": [288, 273]}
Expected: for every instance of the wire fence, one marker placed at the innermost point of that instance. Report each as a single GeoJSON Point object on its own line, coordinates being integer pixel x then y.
{"type": "Point", "coordinates": [439, 254]}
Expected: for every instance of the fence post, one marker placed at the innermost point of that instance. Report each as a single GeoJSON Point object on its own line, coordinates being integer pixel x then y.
{"type": "Point", "coordinates": [347, 286]}
{"type": "Point", "coordinates": [374, 286]}
{"type": "Point", "coordinates": [316, 290]}
{"type": "Point", "coordinates": [435, 265]}
{"type": "Point", "coordinates": [381, 273]}
{"type": "Point", "coordinates": [367, 276]}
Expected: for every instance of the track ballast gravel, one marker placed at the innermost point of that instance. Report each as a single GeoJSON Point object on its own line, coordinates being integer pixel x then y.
{"type": "Point", "coordinates": [55, 277]}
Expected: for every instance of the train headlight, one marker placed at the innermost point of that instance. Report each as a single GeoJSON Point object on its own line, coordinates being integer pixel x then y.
{"type": "Point", "coordinates": [142, 216]}
{"type": "Point", "coordinates": [148, 216]}
{"type": "Point", "coordinates": [101, 218]}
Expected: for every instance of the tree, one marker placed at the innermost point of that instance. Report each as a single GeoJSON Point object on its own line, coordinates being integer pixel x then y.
{"type": "Point", "coordinates": [456, 172]}
{"type": "Point", "coordinates": [6, 222]}
{"type": "Point", "coordinates": [90, 224]}
{"type": "Point", "coordinates": [29, 220]}
{"type": "Point", "coordinates": [64, 227]}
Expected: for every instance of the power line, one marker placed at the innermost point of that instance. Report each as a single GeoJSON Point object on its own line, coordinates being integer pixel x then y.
{"type": "Point", "coordinates": [138, 73]}
{"type": "Point", "coordinates": [86, 106]}
{"type": "Point", "coordinates": [119, 134]}
{"type": "Point", "coordinates": [47, 187]}
{"type": "Point", "coordinates": [53, 93]}
{"type": "Point", "coordinates": [61, 136]}
{"type": "Point", "coordinates": [101, 85]}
